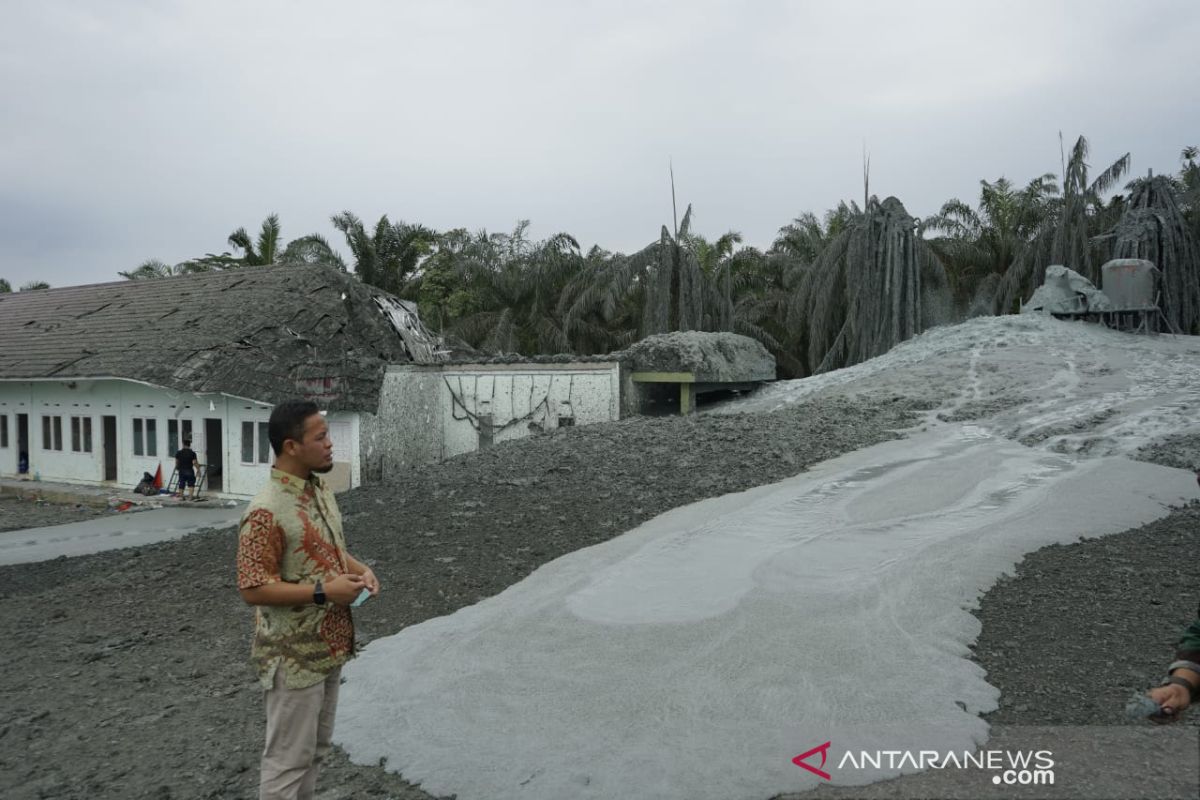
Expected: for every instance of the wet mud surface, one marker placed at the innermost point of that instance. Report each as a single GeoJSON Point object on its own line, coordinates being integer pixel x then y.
{"type": "Point", "coordinates": [127, 672]}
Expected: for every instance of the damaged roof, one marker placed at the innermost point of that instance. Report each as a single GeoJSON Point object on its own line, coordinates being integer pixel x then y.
{"type": "Point", "coordinates": [261, 333]}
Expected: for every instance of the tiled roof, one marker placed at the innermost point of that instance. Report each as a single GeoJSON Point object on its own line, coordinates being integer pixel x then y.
{"type": "Point", "coordinates": [262, 333]}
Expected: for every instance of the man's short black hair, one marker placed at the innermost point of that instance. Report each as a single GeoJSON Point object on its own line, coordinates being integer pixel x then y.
{"type": "Point", "coordinates": [287, 422]}
{"type": "Point", "coordinates": [187, 442]}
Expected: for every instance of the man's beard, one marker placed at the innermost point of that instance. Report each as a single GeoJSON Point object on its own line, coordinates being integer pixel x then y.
{"type": "Point", "coordinates": [322, 470]}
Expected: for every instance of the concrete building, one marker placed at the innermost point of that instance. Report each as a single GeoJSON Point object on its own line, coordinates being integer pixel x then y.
{"type": "Point", "coordinates": [430, 412]}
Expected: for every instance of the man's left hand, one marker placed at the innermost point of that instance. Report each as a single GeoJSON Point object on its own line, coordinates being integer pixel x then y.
{"type": "Point", "coordinates": [368, 576]}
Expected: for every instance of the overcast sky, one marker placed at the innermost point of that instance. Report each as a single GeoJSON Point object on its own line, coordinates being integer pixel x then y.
{"type": "Point", "coordinates": [133, 130]}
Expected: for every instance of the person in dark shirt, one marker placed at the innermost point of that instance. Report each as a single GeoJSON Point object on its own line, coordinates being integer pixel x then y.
{"type": "Point", "coordinates": [185, 465]}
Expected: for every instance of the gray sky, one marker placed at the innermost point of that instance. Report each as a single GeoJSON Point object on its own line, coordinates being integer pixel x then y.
{"type": "Point", "coordinates": [133, 130]}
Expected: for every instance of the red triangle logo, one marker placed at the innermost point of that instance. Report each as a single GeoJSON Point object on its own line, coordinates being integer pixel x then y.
{"type": "Point", "coordinates": [823, 749]}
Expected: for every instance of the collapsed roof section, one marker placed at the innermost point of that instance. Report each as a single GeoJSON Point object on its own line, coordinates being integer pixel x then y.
{"type": "Point", "coordinates": [261, 333]}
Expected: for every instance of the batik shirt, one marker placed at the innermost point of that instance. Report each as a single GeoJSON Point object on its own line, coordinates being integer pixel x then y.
{"type": "Point", "coordinates": [292, 532]}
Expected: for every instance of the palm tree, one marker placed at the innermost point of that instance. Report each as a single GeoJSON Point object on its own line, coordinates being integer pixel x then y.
{"type": "Point", "coordinates": [153, 268]}
{"type": "Point", "coordinates": [263, 251]}
{"type": "Point", "coordinates": [716, 263]}
{"type": "Point", "coordinates": [675, 293]}
{"type": "Point", "coordinates": [680, 282]}
{"type": "Point", "coordinates": [603, 306]}
{"type": "Point", "coordinates": [980, 246]}
{"type": "Point", "coordinates": [806, 237]}
{"type": "Point", "coordinates": [1067, 234]}
{"type": "Point", "coordinates": [760, 289]}
{"type": "Point", "coordinates": [389, 257]}
{"type": "Point", "coordinates": [516, 287]}
{"type": "Point", "coordinates": [1189, 179]}
{"type": "Point", "coordinates": [269, 249]}
{"type": "Point", "coordinates": [876, 284]}
{"type": "Point", "coordinates": [1155, 227]}
{"type": "Point", "coordinates": [312, 249]}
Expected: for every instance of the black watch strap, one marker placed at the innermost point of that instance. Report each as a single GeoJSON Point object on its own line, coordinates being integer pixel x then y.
{"type": "Point", "coordinates": [319, 594]}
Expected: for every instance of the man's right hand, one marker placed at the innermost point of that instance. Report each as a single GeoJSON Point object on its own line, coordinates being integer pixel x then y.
{"type": "Point", "coordinates": [1172, 698]}
{"type": "Point", "coordinates": [345, 589]}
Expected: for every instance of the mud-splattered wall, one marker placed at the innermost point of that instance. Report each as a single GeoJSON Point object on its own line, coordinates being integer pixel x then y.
{"type": "Point", "coordinates": [429, 413]}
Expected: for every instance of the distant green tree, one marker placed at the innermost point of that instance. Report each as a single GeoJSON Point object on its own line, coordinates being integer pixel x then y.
{"type": "Point", "coordinates": [268, 247]}
{"type": "Point", "coordinates": [5, 286]}
{"type": "Point", "coordinates": [716, 263]}
{"type": "Point", "coordinates": [978, 246]}
{"type": "Point", "coordinates": [153, 268]}
{"type": "Point", "coordinates": [389, 256]}
{"type": "Point", "coordinates": [441, 288]}
{"type": "Point", "coordinates": [515, 286]}
{"type": "Point", "coordinates": [601, 306]}
{"type": "Point", "coordinates": [764, 287]}
{"type": "Point", "coordinates": [1068, 231]}
{"type": "Point", "coordinates": [265, 250]}
{"type": "Point", "coordinates": [34, 286]}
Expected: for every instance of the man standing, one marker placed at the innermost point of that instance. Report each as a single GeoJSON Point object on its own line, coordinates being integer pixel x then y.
{"type": "Point", "coordinates": [293, 565]}
{"type": "Point", "coordinates": [185, 469]}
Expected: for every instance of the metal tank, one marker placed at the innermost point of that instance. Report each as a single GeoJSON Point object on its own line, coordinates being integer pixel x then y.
{"type": "Point", "coordinates": [1130, 283]}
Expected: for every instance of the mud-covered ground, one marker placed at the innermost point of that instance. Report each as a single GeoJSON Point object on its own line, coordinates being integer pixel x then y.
{"type": "Point", "coordinates": [18, 513]}
{"type": "Point", "coordinates": [127, 676]}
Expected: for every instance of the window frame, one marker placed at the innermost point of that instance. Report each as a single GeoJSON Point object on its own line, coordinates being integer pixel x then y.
{"type": "Point", "coordinates": [81, 434]}
{"type": "Point", "coordinates": [52, 429]}
{"type": "Point", "coordinates": [145, 437]}
{"type": "Point", "coordinates": [264, 443]}
{"type": "Point", "coordinates": [258, 446]}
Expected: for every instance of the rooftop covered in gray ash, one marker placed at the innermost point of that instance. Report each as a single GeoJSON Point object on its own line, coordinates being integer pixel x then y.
{"type": "Point", "coordinates": [710, 357]}
{"type": "Point", "coordinates": [261, 333]}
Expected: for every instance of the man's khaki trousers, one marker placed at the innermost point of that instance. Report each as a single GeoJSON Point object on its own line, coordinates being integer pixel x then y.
{"type": "Point", "coordinates": [299, 728]}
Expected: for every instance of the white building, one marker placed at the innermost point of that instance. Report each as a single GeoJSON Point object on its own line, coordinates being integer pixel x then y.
{"type": "Point", "coordinates": [113, 431]}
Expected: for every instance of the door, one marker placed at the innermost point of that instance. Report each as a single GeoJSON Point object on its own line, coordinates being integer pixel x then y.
{"type": "Point", "coordinates": [214, 446]}
{"type": "Point", "coordinates": [109, 426]}
{"type": "Point", "coordinates": [23, 449]}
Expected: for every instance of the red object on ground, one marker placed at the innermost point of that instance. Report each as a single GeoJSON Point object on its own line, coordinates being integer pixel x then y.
{"type": "Point", "coordinates": [158, 484]}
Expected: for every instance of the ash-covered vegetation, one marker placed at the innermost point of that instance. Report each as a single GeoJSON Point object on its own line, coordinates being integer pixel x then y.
{"type": "Point", "coordinates": [831, 290]}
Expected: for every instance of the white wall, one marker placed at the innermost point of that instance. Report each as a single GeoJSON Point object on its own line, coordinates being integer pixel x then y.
{"type": "Point", "coordinates": [14, 399]}
{"type": "Point", "coordinates": [126, 401]}
{"type": "Point", "coordinates": [428, 413]}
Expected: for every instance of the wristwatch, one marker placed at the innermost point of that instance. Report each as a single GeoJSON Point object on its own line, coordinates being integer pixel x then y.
{"type": "Point", "coordinates": [319, 594]}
